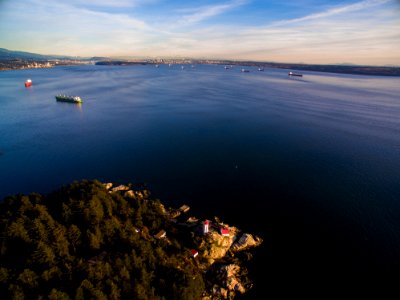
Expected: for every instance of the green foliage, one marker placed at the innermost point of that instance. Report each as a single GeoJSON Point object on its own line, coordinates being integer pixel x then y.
{"type": "Point", "coordinates": [58, 295]}
{"type": "Point", "coordinates": [3, 275]}
{"type": "Point", "coordinates": [28, 279]}
{"type": "Point", "coordinates": [82, 242]}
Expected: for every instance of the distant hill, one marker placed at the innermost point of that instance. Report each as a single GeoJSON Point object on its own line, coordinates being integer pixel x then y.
{"type": "Point", "coordinates": [6, 54]}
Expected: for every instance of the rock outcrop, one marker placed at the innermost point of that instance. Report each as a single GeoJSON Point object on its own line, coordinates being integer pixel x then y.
{"type": "Point", "coordinates": [217, 250]}
{"type": "Point", "coordinates": [120, 188]}
{"type": "Point", "coordinates": [246, 241]}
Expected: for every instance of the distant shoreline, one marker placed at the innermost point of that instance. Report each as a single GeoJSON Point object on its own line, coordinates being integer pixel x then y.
{"type": "Point", "coordinates": [16, 60]}
{"type": "Point", "coordinates": [341, 69]}
{"type": "Point", "coordinates": [8, 65]}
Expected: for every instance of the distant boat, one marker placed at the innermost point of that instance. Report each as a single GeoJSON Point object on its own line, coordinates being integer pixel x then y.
{"type": "Point", "coordinates": [169, 65]}
{"type": "Point", "coordinates": [295, 74]}
{"type": "Point", "coordinates": [245, 71]}
{"type": "Point", "coordinates": [260, 69]}
{"type": "Point", "coordinates": [226, 67]}
{"type": "Point", "coordinates": [157, 66]}
{"type": "Point", "coordinates": [28, 83]}
{"type": "Point", "coordinates": [182, 67]}
{"type": "Point", "coordinates": [70, 99]}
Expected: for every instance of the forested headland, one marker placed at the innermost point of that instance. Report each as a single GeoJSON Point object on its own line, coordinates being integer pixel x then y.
{"type": "Point", "coordinates": [88, 240]}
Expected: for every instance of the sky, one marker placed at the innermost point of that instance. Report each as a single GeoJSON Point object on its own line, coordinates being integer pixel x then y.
{"type": "Point", "coordinates": [363, 32]}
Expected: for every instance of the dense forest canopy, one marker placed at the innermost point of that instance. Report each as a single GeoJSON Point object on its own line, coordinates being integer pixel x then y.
{"type": "Point", "coordinates": [83, 242]}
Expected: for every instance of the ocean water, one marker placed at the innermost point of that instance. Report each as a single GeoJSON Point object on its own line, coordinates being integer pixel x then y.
{"type": "Point", "coordinates": [311, 164]}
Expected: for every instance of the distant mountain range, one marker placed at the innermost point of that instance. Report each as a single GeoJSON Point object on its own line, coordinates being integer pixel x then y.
{"type": "Point", "coordinates": [6, 54]}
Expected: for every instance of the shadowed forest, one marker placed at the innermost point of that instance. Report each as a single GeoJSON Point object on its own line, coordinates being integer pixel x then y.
{"type": "Point", "coordinates": [82, 242]}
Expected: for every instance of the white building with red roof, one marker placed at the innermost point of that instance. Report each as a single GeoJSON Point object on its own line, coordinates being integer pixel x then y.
{"type": "Point", "coordinates": [205, 226]}
{"type": "Point", "coordinates": [224, 231]}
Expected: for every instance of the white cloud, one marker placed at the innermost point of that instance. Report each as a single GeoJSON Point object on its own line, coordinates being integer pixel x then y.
{"type": "Point", "coordinates": [61, 28]}
{"type": "Point", "coordinates": [345, 34]}
{"type": "Point", "coordinates": [195, 15]}
{"type": "Point", "coordinates": [109, 3]}
{"type": "Point", "coordinates": [334, 11]}
{"type": "Point", "coordinates": [366, 32]}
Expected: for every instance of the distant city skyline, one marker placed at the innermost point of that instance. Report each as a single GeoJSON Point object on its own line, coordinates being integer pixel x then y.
{"type": "Point", "coordinates": [309, 31]}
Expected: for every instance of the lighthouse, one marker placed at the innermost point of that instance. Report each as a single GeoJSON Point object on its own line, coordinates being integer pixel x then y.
{"type": "Point", "coordinates": [205, 227]}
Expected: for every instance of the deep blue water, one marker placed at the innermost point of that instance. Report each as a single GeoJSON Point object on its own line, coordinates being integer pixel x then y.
{"type": "Point", "coordinates": [311, 164]}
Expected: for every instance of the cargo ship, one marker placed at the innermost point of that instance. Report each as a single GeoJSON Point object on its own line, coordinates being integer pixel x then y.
{"type": "Point", "coordinates": [28, 83]}
{"type": "Point", "coordinates": [71, 99]}
{"type": "Point", "coordinates": [295, 74]}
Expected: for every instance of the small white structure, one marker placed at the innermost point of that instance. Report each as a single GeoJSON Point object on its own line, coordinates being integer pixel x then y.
{"type": "Point", "coordinates": [205, 226]}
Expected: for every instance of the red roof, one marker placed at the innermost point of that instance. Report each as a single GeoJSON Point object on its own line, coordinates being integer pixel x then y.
{"type": "Point", "coordinates": [224, 231]}
{"type": "Point", "coordinates": [206, 222]}
{"type": "Point", "coordinates": [194, 252]}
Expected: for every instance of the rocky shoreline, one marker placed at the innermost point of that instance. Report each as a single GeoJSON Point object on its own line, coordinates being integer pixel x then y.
{"type": "Point", "coordinates": [215, 246]}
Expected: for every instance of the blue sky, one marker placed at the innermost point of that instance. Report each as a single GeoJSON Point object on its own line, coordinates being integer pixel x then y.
{"type": "Point", "coordinates": [309, 31]}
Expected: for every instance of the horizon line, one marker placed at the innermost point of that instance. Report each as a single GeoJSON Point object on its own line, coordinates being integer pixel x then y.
{"type": "Point", "coordinates": [127, 57]}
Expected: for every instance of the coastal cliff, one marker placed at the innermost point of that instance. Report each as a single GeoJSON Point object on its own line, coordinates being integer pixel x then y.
{"type": "Point", "coordinates": [95, 240]}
